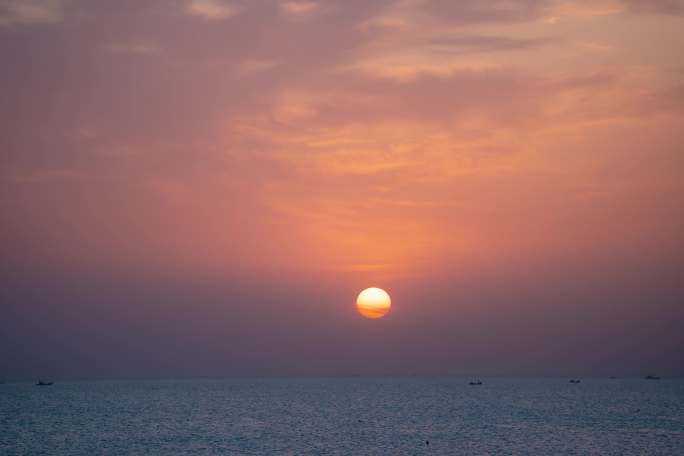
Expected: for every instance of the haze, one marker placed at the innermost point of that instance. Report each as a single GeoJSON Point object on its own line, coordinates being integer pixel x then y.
{"type": "Point", "coordinates": [203, 187]}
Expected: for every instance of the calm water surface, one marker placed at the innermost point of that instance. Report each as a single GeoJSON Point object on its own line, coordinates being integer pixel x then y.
{"type": "Point", "coordinates": [343, 416]}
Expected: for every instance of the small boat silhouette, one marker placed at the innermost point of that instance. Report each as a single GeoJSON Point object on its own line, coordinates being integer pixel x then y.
{"type": "Point", "coordinates": [42, 383]}
{"type": "Point", "coordinates": [652, 377]}
{"type": "Point", "coordinates": [479, 382]}
{"type": "Point", "coordinates": [575, 380]}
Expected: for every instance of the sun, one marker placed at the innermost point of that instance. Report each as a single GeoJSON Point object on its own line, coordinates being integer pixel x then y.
{"type": "Point", "coordinates": [373, 303]}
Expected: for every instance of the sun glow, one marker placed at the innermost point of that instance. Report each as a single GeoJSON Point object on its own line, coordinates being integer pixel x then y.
{"type": "Point", "coordinates": [373, 303]}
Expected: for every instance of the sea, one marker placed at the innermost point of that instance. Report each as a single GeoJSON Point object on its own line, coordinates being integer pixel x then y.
{"type": "Point", "coordinates": [344, 416]}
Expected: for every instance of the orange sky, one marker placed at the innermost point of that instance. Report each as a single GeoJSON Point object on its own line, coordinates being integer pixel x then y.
{"type": "Point", "coordinates": [402, 143]}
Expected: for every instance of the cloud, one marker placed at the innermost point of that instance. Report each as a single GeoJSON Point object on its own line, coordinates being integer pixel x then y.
{"type": "Point", "coordinates": [588, 9]}
{"type": "Point", "coordinates": [476, 11]}
{"type": "Point", "coordinates": [406, 13]}
{"type": "Point", "coordinates": [581, 9]}
{"type": "Point", "coordinates": [212, 9]}
{"type": "Point", "coordinates": [136, 47]}
{"type": "Point", "coordinates": [413, 37]}
{"type": "Point", "coordinates": [27, 12]}
{"type": "Point", "coordinates": [299, 8]}
{"type": "Point", "coordinates": [406, 55]}
{"type": "Point", "coordinates": [241, 147]}
{"type": "Point", "coordinates": [411, 13]}
{"type": "Point", "coordinates": [251, 66]}
{"type": "Point", "coordinates": [484, 43]}
{"type": "Point", "coordinates": [669, 100]}
{"type": "Point", "coordinates": [675, 7]}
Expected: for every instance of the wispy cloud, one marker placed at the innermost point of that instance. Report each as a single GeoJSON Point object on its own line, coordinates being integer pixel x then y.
{"type": "Point", "coordinates": [251, 66]}
{"type": "Point", "coordinates": [27, 12]}
{"type": "Point", "coordinates": [405, 55]}
{"type": "Point", "coordinates": [299, 8]}
{"type": "Point", "coordinates": [675, 7]}
{"type": "Point", "coordinates": [582, 9]}
{"type": "Point", "coordinates": [136, 47]}
{"type": "Point", "coordinates": [212, 9]}
{"type": "Point", "coordinates": [446, 113]}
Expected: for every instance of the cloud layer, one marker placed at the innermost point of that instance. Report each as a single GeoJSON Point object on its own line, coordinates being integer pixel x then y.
{"type": "Point", "coordinates": [435, 148]}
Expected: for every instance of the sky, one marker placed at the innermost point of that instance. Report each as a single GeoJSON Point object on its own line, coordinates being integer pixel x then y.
{"type": "Point", "coordinates": [203, 187]}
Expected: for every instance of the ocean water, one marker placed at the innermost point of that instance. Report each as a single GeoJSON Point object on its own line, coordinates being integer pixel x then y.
{"type": "Point", "coordinates": [352, 416]}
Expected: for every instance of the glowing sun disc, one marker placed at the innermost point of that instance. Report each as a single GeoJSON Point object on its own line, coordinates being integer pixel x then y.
{"type": "Point", "coordinates": [373, 303]}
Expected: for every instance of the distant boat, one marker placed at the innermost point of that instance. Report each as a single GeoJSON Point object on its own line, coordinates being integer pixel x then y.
{"type": "Point", "coordinates": [42, 383]}
{"type": "Point", "coordinates": [479, 382]}
{"type": "Point", "coordinates": [652, 377]}
{"type": "Point", "coordinates": [575, 380]}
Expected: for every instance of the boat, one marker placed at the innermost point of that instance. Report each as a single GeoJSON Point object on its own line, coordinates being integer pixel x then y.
{"type": "Point", "coordinates": [575, 380]}
{"type": "Point", "coordinates": [42, 383]}
{"type": "Point", "coordinates": [479, 382]}
{"type": "Point", "coordinates": [652, 377]}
